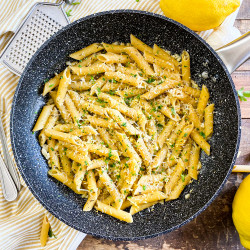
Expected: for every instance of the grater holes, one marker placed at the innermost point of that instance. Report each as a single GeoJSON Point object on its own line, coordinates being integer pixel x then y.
{"type": "Point", "coordinates": [36, 32]}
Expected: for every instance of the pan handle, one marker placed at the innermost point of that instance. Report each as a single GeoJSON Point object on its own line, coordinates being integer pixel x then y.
{"type": "Point", "coordinates": [236, 52]}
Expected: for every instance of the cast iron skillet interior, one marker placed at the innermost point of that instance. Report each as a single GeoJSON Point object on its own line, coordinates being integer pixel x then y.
{"type": "Point", "coordinates": [110, 27]}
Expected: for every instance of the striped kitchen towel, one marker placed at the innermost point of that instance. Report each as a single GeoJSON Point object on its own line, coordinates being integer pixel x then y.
{"type": "Point", "coordinates": [20, 220]}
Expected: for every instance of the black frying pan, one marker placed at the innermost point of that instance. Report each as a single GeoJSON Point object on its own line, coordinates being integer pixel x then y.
{"type": "Point", "coordinates": [110, 27]}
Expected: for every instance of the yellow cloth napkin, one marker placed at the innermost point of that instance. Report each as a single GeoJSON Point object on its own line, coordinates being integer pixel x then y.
{"type": "Point", "coordinates": [20, 220]}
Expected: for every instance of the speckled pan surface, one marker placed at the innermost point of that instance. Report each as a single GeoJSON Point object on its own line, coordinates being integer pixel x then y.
{"type": "Point", "coordinates": [110, 27]}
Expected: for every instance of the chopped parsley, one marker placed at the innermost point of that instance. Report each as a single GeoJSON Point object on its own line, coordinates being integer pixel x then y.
{"type": "Point", "coordinates": [150, 80]}
{"type": "Point", "coordinates": [75, 3]}
{"type": "Point", "coordinates": [159, 125]}
{"type": "Point", "coordinates": [203, 134]}
{"type": "Point", "coordinates": [173, 111]}
{"type": "Point", "coordinates": [183, 177]}
{"type": "Point", "coordinates": [144, 187]}
{"type": "Point", "coordinates": [111, 92]}
{"type": "Point", "coordinates": [243, 95]}
{"type": "Point", "coordinates": [110, 154]}
{"type": "Point", "coordinates": [184, 174]}
{"type": "Point", "coordinates": [68, 13]}
{"type": "Point", "coordinates": [51, 234]}
{"type": "Point", "coordinates": [128, 100]}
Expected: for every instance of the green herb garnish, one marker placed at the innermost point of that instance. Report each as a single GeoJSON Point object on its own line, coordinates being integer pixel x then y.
{"type": "Point", "coordinates": [173, 111]}
{"type": "Point", "coordinates": [51, 234]}
{"type": "Point", "coordinates": [68, 13]}
{"type": "Point", "coordinates": [75, 3]}
{"type": "Point", "coordinates": [243, 95]}
{"type": "Point", "coordinates": [203, 134]}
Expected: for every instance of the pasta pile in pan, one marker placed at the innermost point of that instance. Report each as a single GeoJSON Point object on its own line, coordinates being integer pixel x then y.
{"type": "Point", "coordinates": [124, 126]}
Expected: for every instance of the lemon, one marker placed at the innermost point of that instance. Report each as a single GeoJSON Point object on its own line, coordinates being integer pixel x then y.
{"type": "Point", "coordinates": [241, 212]}
{"type": "Point", "coordinates": [199, 15]}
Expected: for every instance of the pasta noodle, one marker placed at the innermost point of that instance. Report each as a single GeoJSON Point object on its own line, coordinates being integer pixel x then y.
{"type": "Point", "coordinates": [124, 126]}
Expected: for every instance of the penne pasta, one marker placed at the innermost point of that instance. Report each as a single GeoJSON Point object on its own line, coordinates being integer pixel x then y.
{"type": "Point", "coordinates": [52, 83]}
{"type": "Point", "coordinates": [53, 160]}
{"type": "Point", "coordinates": [113, 58]}
{"type": "Point", "coordinates": [97, 163]}
{"type": "Point", "coordinates": [153, 59]}
{"type": "Point", "coordinates": [75, 115]}
{"type": "Point", "coordinates": [93, 191]}
{"type": "Point", "coordinates": [149, 183]}
{"type": "Point", "coordinates": [192, 91]}
{"type": "Point", "coordinates": [112, 189]}
{"type": "Point", "coordinates": [114, 48]}
{"type": "Point", "coordinates": [127, 79]}
{"type": "Point", "coordinates": [137, 43]}
{"type": "Point", "coordinates": [44, 231]}
{"type": "Point", "coordinates": [63, 86]}
{"type": "Point", "coordinates": [164, 55]}
{"type": "Point", "coordinates": [193, 117]}
{"type": "Point", "coordinates": [100, 122]}
{"type": "Point", "coordinates": [65, 162]}
{"type": "Point", "coordinates": [63, 178]}
{"type": "Point", "coordinates": [95, 89]}
{"type": "Point", "coordinates": [185, 67]}
{"type": "Point", "coordinates": [180, 142]}
{"type": "Point", "coordinates": [140, 61]}
{"type": "Point", "coordinates": [62, 109]}
{"type": "Point", "coordinates": [119, 214]}
{"type": "Point", "coordinates": [147, 198]}
{"type": "Point", "coordinates": [159, 89]}
{"type": "Point", "coordinates": [159, 158]}
{"type": "Point", "coordinates": [80, 85]}
{"type": "Point", "coordinates": [135, 209]}
{"type": "Point", "coordinates": [193, 161]}
{"type": "Point", "coordinates": [93, 48]}
{"type": "Point", "coordinates": [43, 117]}
{"type": "Point", "coordinates": [144, 152]}
{"type": "Point", "coordinates": [124, 126]}
{"type": "Point", "coordinates": [175, 176]}
{"type": "Point", "coordinates": [202, 103]}
{"type": "Point", "coordinates": [90, 70]}
{"type": "Point", "coordinates": [198, 138]}
{"type": "Point", "coordinates": [165, 133]}
{"type": "Point", "coordinates": [53, 118]}
{"type": "Point", "coordinates": [61, 136]}
{"type": "Point", "coordinates": [106, 138]}
{"type": "Point", "coordinates": [209, 120]}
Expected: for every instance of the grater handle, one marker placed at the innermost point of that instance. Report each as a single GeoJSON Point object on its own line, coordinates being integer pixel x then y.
{"type": "Point", "coordinates": [9, 189]}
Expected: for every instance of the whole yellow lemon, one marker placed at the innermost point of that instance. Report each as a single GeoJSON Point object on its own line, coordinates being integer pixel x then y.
{"type": "Point", "coordinates": [241, 212]}
{"type": "Point", "coordinates": [199, 15]}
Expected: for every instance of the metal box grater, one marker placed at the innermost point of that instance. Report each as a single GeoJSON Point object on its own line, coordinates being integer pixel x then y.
{"type": "Point", "coordinates": [42, 21]}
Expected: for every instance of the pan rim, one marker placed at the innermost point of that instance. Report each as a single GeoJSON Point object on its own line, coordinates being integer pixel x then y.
{"type": "Point", "coordinates": [54, 213]}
